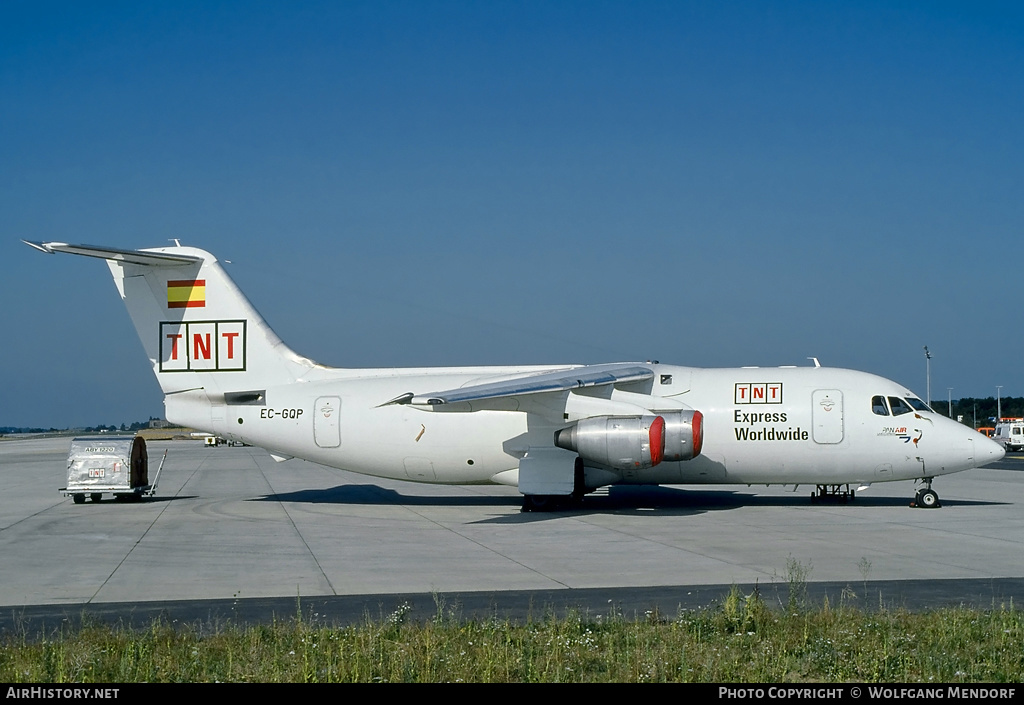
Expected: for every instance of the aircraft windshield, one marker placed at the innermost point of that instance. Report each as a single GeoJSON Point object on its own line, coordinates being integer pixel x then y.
{"type": "Point", "coordinates": [919, 405]}
{"type": "Point", "coordinates": [899, 406]}
{"type": "Point", "coordinates": [879, 406]}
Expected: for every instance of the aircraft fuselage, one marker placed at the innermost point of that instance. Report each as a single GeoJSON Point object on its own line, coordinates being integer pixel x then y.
{"type": "Point", "coordinates": [813, 425]}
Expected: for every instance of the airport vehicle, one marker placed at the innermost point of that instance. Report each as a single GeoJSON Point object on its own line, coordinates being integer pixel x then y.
{"type": "Point", "coordinates": [1010, 434]}
{"type": "Point", "coordinates": [117, 465]}
{"type": "Point", "coordinates": [214, 441]}
{"type": "Point", "coordinates": [555, 432]}
{"type": "Point", "coordinates": [987, 431]}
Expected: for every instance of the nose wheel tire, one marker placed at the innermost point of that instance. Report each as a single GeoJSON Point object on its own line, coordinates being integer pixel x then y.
{"type": "Point", "coordinates": [927, 499]}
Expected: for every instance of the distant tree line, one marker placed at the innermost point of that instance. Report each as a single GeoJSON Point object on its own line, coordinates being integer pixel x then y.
{"type": "Point", "coordinates": [984, 410]}
{"type": "Point", "coordinates": [26, 429]}
{"type": "Point", "coordinates": [101, 428]}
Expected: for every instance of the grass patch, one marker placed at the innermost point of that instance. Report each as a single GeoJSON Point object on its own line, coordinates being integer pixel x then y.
{"type": "Point", "coordinates": [741, 640]}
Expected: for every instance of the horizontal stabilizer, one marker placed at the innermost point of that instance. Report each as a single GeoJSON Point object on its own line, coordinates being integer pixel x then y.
{"type": "Point", "coordinates": [151, 259]}
{"type": "Point", "coordinates": [556, 381]}
{"type": "Point", "coordinates": [198, 330]}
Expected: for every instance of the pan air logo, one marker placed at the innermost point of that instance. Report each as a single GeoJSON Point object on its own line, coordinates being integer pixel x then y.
{"type": "Point", "coordinates": [759, 393]}
{"type": "Point", "coordinates": [186, 293]}
{"type": "Point", "coordinates": [202, 346]}
{"type": "Point", "coordinates": [902, 433]}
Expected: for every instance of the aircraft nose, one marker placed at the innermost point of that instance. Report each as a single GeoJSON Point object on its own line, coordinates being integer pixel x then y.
{"type": "Point", "coordinates": [963, 448]}
{"type": "Point", "coordinates": [988, 451]}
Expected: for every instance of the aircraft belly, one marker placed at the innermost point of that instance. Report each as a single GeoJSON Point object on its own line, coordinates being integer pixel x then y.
{"type": "Point", "coordinates": [408, 444]}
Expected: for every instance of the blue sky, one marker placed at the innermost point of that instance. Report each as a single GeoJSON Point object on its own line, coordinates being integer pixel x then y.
{"type": "Point", "coordinates": [448, 183]}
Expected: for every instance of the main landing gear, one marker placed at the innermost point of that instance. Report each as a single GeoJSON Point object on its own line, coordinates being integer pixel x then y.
{"type": "Point", "coordinates": [554, 502]}
{"type": "Point", "coordinates": [926, 497]}
{"type": "Point", "coordinates": [547, 502]}
{"type": "Point", "coordinates": [832, 493]}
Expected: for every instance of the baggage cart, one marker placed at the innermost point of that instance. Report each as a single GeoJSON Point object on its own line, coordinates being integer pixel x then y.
{"type": "Point", "coordinates": [117, 465]}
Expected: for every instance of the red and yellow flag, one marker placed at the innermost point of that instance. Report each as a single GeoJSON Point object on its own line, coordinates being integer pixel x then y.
{"type": "Point", "coordinates": [186, 293]}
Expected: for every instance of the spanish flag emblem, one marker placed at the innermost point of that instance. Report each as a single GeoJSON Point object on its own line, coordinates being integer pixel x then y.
{"type": "Point", "coordinates": [186, 293]}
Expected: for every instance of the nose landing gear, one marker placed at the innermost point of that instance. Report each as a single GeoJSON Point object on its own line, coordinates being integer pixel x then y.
{"type": "Point", "coordinates": [926, 497]}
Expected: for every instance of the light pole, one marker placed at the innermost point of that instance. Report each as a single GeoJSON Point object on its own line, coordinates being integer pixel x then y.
{"type": "Point", "coordinates": [949, 399]}
{"type": "Point", "coordinates": [928, 375]}
{"type": "Point", "coordinates": [999, 406]}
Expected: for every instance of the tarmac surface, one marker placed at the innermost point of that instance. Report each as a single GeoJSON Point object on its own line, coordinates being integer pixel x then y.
{"type": "Point", "coordinates": [233, 534]}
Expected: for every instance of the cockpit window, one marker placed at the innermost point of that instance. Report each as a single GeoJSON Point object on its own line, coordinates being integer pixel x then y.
{"type": "Point", "coordinates": [918, 404]}
{"type": "Point", "coordinates": [899, 406]}
{"type": "Point", "coordinates": [879, 406]}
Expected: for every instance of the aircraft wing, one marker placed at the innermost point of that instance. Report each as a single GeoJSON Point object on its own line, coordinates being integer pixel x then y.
{"type": "Point", "coordinates": [526, 385]}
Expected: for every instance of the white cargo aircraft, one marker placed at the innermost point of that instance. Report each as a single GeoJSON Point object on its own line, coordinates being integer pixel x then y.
{"type": "Point", "coordinates": [555, 432]}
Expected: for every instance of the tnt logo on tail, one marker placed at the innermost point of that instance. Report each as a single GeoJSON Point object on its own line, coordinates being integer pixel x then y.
{"type": "Point", "coordinates": [202, 346]}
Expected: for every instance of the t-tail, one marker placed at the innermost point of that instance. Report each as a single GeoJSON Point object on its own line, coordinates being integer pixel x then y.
{"type": "Point", "coordinates": [206, 342]}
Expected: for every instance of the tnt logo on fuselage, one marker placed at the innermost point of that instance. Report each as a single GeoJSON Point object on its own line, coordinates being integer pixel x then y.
{"type": "Point", "coordinates": [759, 393]}
{"type": "Point", "coordinates": [202, 346]}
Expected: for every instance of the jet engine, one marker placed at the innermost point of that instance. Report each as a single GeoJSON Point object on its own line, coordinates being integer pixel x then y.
{"type": "Point", "coordinates": [631, 442]}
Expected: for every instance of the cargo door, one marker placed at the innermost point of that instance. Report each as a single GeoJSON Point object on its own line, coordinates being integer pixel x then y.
{"type": "Point", "coordinates": [827, 412]}
{"type": "Point", "coordinates": [326, 422]}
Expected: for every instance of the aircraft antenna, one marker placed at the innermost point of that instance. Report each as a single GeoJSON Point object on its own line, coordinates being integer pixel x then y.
{"type": "Point", "coordinates": [816, 363]}
{"type": "Point", "coordinates": [928, 376]}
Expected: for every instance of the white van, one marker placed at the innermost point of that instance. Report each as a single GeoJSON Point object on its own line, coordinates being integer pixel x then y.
{"type": "Point", "coordinates": [1010, 433]}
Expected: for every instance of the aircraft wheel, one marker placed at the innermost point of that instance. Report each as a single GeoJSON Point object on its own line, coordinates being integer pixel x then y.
{"type": "Point", "coordinates": [540, 502]}
{"type": "Point", "coordinates": [96, 496]}
{"type": "Point", "coordinates": [928, 499]}
{"type": "Point", "coordinates": [78, 498]}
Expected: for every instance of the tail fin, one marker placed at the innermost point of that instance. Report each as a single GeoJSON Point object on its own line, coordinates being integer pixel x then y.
{"type": "Point", "coordinates": [198, 330]}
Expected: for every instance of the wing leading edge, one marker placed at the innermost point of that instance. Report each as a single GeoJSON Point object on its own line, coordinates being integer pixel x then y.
{"type": "Point", "coordinates": [526, 385]}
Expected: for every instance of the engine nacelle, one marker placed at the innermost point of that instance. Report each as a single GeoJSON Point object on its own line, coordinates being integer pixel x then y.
{"type": "Point", "coordinates": [684, 435]}
{"type": "Point", "coordinates": [635, 442]}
